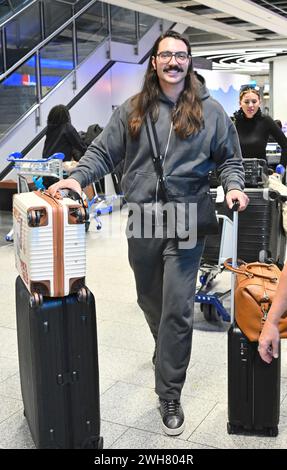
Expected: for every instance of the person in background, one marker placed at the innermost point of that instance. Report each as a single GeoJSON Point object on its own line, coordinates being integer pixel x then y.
{"type": "Point", "coordinates": [195, 135]}
{"type": "Point", "coordinates": [279, 124]}
{"type": "Point", "coordinates": [269, 338]}
{"type": "Point", "coordinates": [254, 127]}
{"type": "Point", "coordinates": [61, 136]}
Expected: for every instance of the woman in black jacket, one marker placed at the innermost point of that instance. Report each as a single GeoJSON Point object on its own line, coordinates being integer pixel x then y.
{"type": "Point", "coordinates": [61, 136]}
{"type": "Point", "coordinates": [254, 128]}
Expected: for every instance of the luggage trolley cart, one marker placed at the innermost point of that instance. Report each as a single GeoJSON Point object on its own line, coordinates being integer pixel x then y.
{"type": "Point", "coordinates": [52, 166]}
{"type": "Point", "coordinates": [99, 205]}
{"type": "Point", "coordinates": [211, 302]}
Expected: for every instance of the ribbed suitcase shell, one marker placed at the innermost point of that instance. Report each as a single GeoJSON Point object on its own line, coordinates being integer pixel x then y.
{"type": "Point", "coordinates": [58, 359]}
{"type": "Point", "coordinates": [260, 230]}
{"type": "Point", "coordinates": [50, 253]}
{"type": "Point", "coordinates": [253, 387]}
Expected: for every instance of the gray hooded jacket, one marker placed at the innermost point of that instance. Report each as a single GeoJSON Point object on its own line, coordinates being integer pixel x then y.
{"type": "Point", "coordinates": [187, 161]}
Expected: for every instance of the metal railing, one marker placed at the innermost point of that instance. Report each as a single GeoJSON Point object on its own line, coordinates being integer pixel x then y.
{"type": "Point", "coordinates": [31, 77]}
{"type": "Point", "coordinates": [42, 42]}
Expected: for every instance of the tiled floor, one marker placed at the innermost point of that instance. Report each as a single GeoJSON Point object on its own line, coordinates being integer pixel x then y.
{"type": "Point", "coordinates": [130, 418]}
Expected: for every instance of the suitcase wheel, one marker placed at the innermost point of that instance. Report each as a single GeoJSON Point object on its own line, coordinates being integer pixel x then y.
{"type": "Point", "coordinates": [210, 313]}
{"type": "Point", "coordinates": [232, 428]}
{"type": "Point", "coordinates": [36, 300]}
{"type": "Point", "coordinates": [93, 443]}
{"type": "Point", "coordinates": [272, 432]}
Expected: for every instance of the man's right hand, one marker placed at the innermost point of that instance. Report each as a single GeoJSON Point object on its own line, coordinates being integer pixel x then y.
{"type": "Point", "coordinates": [68, 183]}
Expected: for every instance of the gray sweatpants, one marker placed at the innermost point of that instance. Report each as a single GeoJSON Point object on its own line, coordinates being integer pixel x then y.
{"type": "Point", "coordinates": [166, 280]}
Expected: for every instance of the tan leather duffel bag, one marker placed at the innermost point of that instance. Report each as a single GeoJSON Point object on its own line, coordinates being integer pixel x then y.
{"type": "Point", "coordinates": [255, 287]}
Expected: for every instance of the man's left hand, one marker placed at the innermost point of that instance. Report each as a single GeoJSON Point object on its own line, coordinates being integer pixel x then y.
{"type": "Point", "coordinates": [236, 195]}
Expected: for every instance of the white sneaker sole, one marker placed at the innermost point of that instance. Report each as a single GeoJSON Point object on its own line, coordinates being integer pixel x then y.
{"type": "Point", "coordinates": [173, 432]}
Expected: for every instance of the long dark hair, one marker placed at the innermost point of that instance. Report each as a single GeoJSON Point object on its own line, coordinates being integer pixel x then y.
{"type": "Point", "coordinates": [58, 115]}
{"type": "Point", "coordinates": [187, 118]}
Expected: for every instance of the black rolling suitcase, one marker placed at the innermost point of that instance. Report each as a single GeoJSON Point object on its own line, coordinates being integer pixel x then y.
{"type": "Point", "coordinates": [260, 231]}
{"type": "Point", "coordinates": [253, 387]}
{"type": "Point", "coordinates": [58, 360]}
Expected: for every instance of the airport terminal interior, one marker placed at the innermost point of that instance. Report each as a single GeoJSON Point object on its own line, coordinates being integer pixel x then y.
{"type": "Point", "coordinates": [91, 56]}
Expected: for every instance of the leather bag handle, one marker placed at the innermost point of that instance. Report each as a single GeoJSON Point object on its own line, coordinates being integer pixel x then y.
{"type": "Point", "coordinates": [247, 270]}
{"type": "Point", "coordinates": [228, 265]}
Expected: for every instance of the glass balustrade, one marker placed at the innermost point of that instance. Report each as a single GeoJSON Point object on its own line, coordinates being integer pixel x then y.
{"type": "Point", "coordinates": [33, 26]}
{"type": "Point", "coordinates": [79, 4]}
{"type": "Point", "coordinates": [22, 34]}
{"type": "Point", "coordinates": [55, 14]}
{"type": "Point", "coordinates": [91, 30]}
{"type": "Point", "coordinates": [123, 25]}
{"type": "Point", "coordinates": [1, 58]}
{"type": "Point", "coordinates": [18, 94]}
{"type": "Point", "coordinates": [54, 66]}
{"type": "Point", "coordinates": [145, 23]}
{"type": "Point", "coordinates": [9, 7]}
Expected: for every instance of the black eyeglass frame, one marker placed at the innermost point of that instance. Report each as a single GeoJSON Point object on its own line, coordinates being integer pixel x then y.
{"type": "Point", "coordinates": [175, 55]}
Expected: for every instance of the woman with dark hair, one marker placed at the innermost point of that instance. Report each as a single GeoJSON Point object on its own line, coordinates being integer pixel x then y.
{"type": "Point", "coordinates": [61, 136]}
{"type": "Point", "coordinates": [195, 135]}
{"type": "Point", "coordinates": [254, 128]}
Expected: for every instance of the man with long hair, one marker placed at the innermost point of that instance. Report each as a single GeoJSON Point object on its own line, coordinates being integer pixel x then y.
{"type": "Point", "coordinates": [195, 135]}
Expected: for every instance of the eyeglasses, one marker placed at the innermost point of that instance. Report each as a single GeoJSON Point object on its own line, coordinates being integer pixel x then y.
{"type": "Point", "coordinates": [181, 57]}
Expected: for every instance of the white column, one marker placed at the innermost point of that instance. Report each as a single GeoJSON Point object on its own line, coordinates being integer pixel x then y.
{"type": "Point", "coordinates": [278, 89]}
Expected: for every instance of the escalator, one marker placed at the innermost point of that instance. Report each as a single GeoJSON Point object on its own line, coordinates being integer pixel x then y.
{"type": "Point", "coordinates": [68, 62]}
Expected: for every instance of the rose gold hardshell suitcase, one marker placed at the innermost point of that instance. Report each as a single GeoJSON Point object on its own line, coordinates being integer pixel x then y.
{"type": "Point", "coordinates": [50, 243]}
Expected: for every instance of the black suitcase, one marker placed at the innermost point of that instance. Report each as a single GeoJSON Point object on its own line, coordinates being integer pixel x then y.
{"type": "Point", "coordinates": [58, 361]}
{"type": "Point", "coordinates": [256, 173]}
{"type": "Point", "coordinates": [260, 231]}
{"type": "Point", "coordinates": [253, 388]}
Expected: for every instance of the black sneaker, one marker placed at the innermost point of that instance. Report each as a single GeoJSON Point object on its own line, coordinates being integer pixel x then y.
{"type": "Point", "coordinates": [172, 417]}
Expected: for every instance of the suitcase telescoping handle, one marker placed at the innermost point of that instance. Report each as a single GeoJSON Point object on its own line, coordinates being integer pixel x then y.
{"type": "Point", "coordinates": [82, 214]}
{"type": "Point", "coordinates": [76, 197]}
{"type": "Point", "coordinates": [234, 257]}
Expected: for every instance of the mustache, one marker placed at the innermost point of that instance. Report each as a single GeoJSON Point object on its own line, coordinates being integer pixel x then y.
{"type": "Point", "coordinates": [169, 68]}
